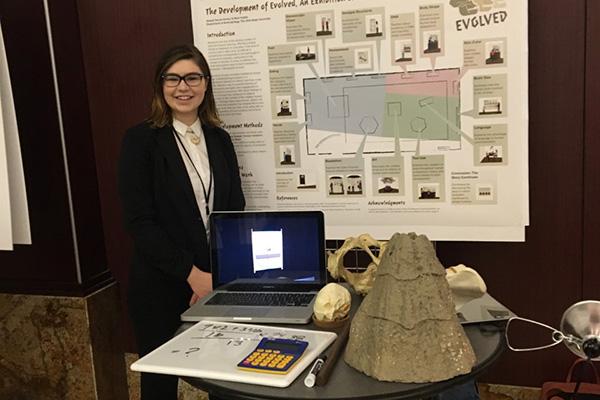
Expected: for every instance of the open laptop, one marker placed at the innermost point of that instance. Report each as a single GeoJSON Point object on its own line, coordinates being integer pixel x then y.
{"type": "Point", "coordinates": [267, 267]}
{"type": "Point", "coordinates": [483, 309]}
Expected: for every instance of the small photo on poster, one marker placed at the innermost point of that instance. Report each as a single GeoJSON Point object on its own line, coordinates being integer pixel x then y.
{"type": "Point", "coordinates": [373, 25]}
{"type": "Point", "coordinates": [306, 52]}
{"type": "Point", "coordinates": [306, 180]}
{"type": "Point", "coordinates": [323, 25]}
{"type": "Point", "coordinates": [362, 58]}
{"type": "Point", "coordinates": [484, 192]}
{"type": "Point", "coordinates": [288, 154]}
{"type": "Point", "coordinates": [284, 106]}
{"type": "Point", "coordinates": [431, 40]}
{"type": "Point", "coordinates": [403, 51]}
{"type": "Point", "coordinates": [336, 185]}
{"type": "Point", "coordinates": [490, 105]}
{"type": "Point", "coordinates": [354, 184]}
{"type": "Point", "coordinates": [494, 52]}
{"type": "Point", "coordinates": [429, 191]}
{"type": "Point", "coordinates": [388, 184]}
{"type": "Point", "coordinates": [490, 154]}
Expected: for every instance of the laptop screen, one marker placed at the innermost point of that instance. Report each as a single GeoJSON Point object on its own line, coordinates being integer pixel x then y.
{"type": "Point", "coordinates": [275, 247]}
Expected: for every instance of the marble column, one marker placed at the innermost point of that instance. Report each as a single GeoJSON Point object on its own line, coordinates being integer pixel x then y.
{"type": "Point", "coordinates": [62, 348]}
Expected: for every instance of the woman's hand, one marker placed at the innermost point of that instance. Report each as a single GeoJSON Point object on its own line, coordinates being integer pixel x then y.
{"type": "Point", "coordinates": [200, 282]}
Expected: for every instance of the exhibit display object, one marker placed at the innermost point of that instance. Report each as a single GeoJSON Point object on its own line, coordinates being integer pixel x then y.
{"type": "Point", "coordinates": [332, 303]}
{"type": "Point", "coordinates": [406, 329]}
{"type": "Point", "coordinates": [360, 281]}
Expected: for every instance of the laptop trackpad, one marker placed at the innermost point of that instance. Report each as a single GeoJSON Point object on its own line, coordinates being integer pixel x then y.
{"type": "Point", "coordinates": [246, 312]}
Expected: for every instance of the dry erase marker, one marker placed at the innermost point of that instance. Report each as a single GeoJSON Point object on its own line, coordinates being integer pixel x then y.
{"type": "Point", "coordinates": [311, 378]}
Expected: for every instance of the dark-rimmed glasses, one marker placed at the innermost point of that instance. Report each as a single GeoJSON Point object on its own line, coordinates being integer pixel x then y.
{"type": "Point", "coordinates": [193, 79]}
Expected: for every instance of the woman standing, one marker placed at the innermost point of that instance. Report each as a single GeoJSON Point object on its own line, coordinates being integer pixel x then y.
{"type": "Point", "coordinates": [174, 170]}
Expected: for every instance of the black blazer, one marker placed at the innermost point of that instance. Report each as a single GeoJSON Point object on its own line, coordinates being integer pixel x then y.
{"type": "Point", "coordinates": [160, 209]}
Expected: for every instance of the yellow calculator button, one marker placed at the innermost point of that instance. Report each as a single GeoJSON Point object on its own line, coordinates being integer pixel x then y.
{"type": "Point", "coordinates": [272, 364]}
{"type": "Point", "coordinates": [268, 351]}
{"type": "Point", "coordinates": [263, 364]}
{"type": "Point", "coordinates": [279, 358]}
{"type": "Point", "coordinates": [254, 363]}
{"type": "Point", "coordinates": [281, 364]}
{"type": "Point", "coordinates": [259, 350]}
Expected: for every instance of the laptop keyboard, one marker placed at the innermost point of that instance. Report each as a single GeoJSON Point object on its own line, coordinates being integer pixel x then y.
{"type": "Point", "coordinates": [261, 299]}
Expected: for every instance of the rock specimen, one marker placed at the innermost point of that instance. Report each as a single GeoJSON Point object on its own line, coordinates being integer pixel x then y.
{"type": "Point", "coordinates": [406, 329]}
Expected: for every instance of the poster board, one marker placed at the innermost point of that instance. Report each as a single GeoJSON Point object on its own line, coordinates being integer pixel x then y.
{"type": "Point", "coordinates": [388, 116]}
{"type": "Point", "coordinates": [6, 235]}
{"type": "Point", "coordinates": [19, 210]}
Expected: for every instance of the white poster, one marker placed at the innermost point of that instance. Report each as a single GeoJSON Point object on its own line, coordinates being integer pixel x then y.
{"type": "Point", "coordinates": [389, 116]}
{"type": "Point", "coordinates": [6, 238]}
{"type": "Point", "coordinates": [21, 233]}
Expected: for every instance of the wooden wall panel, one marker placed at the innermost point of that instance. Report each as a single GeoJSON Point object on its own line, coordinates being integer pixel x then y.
{"type": "Point", "coordinates": [78, 140]}
{"type": "Point", "coordinates": [540, 278]}
{"type": "Point", "coordinates": [24, 27]}
{"type": "Point", "coordinates": [591, 212]}
{"type": "Point", "coordinates": [121, 42]}
{"type": "Point", "coordinates": [52, 264]}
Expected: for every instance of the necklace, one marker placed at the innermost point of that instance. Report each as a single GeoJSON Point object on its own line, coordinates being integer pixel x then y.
{"type": "Point", "coordinates": [195, 139]}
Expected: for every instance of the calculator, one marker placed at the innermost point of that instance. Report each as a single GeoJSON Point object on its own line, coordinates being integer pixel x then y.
{"type": "Point", "coordinates": [274, 356]}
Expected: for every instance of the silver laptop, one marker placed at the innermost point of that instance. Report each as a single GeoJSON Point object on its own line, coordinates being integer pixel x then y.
{"type": "Point", "coordinates": [483, 309]}
{"type": "Point", "coordinates": [267, 267]}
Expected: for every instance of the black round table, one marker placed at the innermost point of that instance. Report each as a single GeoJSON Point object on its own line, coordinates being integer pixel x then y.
{"type": "Point", "coordinates": [347, 383]}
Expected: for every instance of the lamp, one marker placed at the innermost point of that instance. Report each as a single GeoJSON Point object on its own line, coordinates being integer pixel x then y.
{"type": "Point", "coordinates": [579, 330]}
{"type": "Point", "coordinates": [581, 324]}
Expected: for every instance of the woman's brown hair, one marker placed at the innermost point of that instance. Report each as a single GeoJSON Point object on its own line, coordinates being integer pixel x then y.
{"type": "Point", "coordinates": [160, 114]}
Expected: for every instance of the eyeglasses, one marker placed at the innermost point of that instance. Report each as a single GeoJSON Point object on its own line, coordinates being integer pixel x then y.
{"type": "Point", "coordinates": [193, 79]}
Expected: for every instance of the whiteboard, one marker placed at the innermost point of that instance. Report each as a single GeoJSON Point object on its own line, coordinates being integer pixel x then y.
{"type": "Point", "coordinates": [212, 350]}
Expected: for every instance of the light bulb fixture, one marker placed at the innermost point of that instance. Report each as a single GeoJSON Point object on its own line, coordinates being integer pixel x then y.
{"type": "Point", "coordinates": [579, 330]}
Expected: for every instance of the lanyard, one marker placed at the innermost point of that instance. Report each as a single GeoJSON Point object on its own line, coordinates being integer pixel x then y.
{"type": "Point", "coordinates": [206, 195]}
